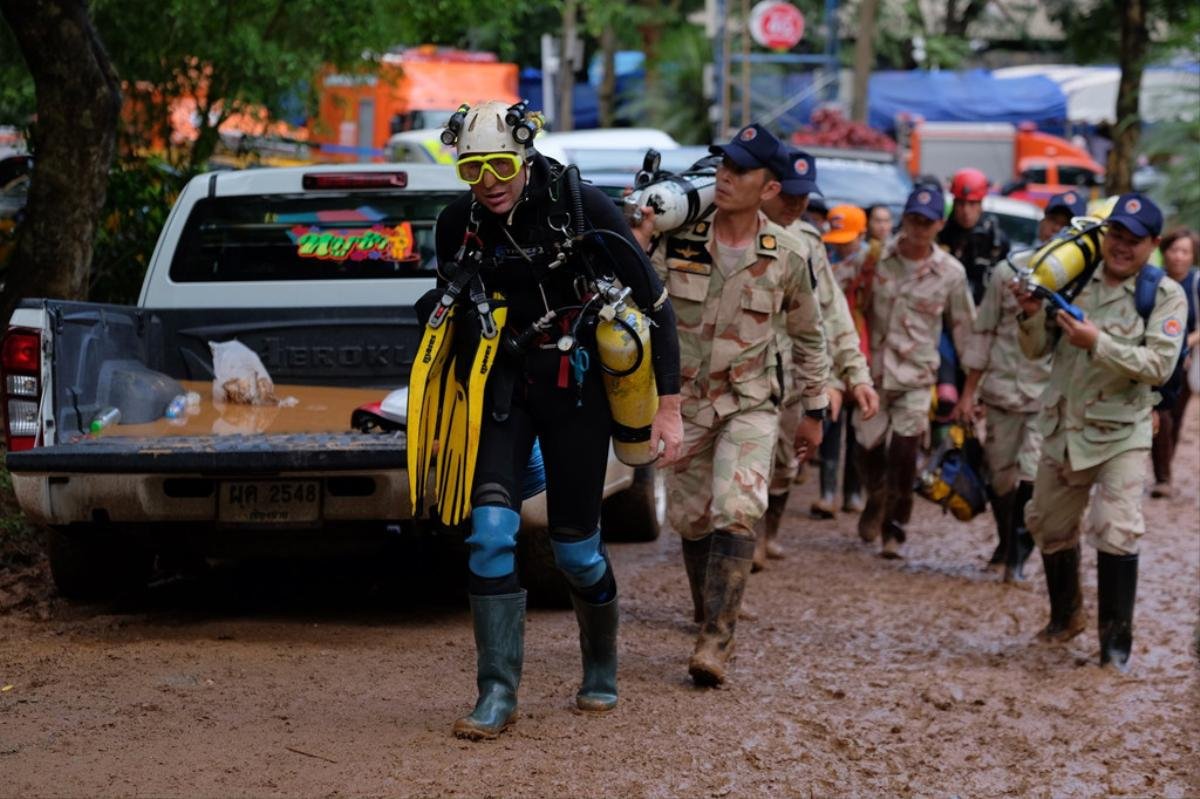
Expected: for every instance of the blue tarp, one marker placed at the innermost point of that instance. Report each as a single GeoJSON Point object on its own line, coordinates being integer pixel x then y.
{"type": "Point", "coordinates": [973, 96]}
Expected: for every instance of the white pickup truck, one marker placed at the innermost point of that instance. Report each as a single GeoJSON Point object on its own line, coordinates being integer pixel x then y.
{"type": "Point", "coordinates": [316, 269]}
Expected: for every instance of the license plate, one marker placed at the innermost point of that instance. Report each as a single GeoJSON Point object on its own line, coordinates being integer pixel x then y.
{"type": "Point", "coordinates": [270, 501]}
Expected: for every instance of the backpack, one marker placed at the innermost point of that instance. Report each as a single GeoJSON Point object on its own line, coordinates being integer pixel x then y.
{"type": "Point", "coordinates": [951, 477]}
{"type": "Point", "coordinates": [1144, 293]}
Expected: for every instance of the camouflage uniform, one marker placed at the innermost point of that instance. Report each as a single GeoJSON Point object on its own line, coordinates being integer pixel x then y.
{"type": "Point", "coordinates": [841, 338]}
{"type": "Point", "coordinates": [1095, 415]}
{"type": "Point", "coordinates": [732, 362]}
{"type": "Point", "coordinates": [905, 317]}
{"type": "Point", "coordinates": [908, 304]}
{"type": "Point", "coordinates": [1010, 388]}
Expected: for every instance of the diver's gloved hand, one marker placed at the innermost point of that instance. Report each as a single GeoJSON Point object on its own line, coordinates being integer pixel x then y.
{"type": "Point", "coordinates": [667, 427]}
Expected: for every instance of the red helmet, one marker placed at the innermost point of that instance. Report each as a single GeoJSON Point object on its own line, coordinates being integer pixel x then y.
{"type": "Point", "coordinates": [969, 184]}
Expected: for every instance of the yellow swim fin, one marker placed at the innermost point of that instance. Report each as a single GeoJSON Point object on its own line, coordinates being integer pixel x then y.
{"type": "Point", "coordinates": [426, 387]}
{"type": "Point", "coordinates": [460, 424]}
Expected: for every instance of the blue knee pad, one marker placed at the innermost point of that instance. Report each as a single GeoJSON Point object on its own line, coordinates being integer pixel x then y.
{"type": "Point", "coordinates": [493, 541]}
{"type": "Point", "coordinates": [582, 562]}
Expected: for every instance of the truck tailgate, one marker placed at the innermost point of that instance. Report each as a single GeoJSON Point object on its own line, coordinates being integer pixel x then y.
{"type": "Point", "coordinates": [217, 455]}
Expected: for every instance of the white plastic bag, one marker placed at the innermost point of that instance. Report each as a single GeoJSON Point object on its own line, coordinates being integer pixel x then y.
{"type": "Point", "coordinates": [239, 375]}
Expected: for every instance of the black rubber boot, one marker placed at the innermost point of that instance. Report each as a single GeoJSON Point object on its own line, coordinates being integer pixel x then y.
{"type": "Point", "coordinates": [776, 505]}
{"type": "Point", "coordinates": [825, 506]}
{"type": "Point", "coordinates": [1020, 542]}
{"type": "Point", "coordinates": [1116, 591]}
{"type": "Point", "coordinates": [500, 650]}
{"type": "Point", "coordinates": [1002, 511]}
{"type": "Point", "coordinates": [901, 474]}
{"type": "Point", "coordinates": [1066, 601]}
{"type": "Point", "coordinates": [874, 468]}
{"type": "Point", "coordinates": [724, 585]}
{"type": "Point", "coordinates": [598, 646]}
{"type": "Point", "coordinates": [695, 563]}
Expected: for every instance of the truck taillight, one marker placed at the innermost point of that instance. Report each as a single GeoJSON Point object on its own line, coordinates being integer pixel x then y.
{"type": "Point", "coordinates": [21, 363]}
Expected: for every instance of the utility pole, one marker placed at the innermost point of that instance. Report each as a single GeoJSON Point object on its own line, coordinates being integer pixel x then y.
{"type": "Point", "coordinates": [745, 28]}
{"type": "Point", "coordinates": [566, 68]}
{"type": "Point", "coordinates": [864, 58]}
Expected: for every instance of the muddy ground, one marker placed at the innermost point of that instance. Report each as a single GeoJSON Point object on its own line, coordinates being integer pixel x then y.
{"type": "Point", "coordinates": [859, 677]}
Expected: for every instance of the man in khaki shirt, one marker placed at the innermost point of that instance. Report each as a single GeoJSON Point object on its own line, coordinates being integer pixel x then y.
{"type": "Point", "coordinates": [735, 282]}
{"type": "Point", "coordinates": [917, 288]}
{"type": "Point", "coordinates": [797, 173]}
{"type": "Point", "coordinates": [1096, 425]}
{"type": "Point", "coordinates": [1009, 386]}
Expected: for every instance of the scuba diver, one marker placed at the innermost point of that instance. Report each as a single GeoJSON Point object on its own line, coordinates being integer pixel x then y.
{"type": "Point", "coordinates": [531, 267]}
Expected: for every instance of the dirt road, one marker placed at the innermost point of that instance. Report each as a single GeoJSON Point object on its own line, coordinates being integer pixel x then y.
{"type": "Point", "coordinates": [858, 677]}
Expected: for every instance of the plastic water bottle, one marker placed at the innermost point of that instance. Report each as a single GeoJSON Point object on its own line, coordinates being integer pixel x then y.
{"type": "Point", "coordinates": [177, 407]}
{"type": "Point", "coordinates": [193, 403]}
{"type": "Point", "coordinates": [105, 419]}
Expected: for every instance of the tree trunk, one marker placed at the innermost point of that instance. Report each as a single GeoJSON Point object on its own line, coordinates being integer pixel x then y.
{"type": "Point", "coordinates": [73, 141]}
{"type": "Point", "coordinates": [566, 68]}
{"type": "Point", "coordinates": [1132, 58]}
{"type": "Point", "coordinates": [608, 86]}
{"type": "Point", "coordinates": [956, 23]}
{"type": "Point", "coordinates": [864, 58]}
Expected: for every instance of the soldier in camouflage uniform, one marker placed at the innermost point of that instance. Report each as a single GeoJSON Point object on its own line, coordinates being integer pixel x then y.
{"type": "Point", "coordinates": [733, 281]}
{"type": "Point", "coordinates": [797, 173]}
{"type": "Point", "coordinates": [1010, 387]}
{"type": "Point", "coordinates": [1096, 424]}
{"type": "Point", "coordinates": [917, 288]}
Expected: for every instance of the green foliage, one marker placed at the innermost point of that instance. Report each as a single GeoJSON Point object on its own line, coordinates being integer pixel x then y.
{"type": "Point", "coordinates": [896, 27]}
{"type": "Point", "coordinates": [1093, 29]}
{"type": "Point", "coordinates": [1175, 146]}
{"type": "Point", "coordinates": [140, 195]}
{"type": "Point", "coordinates": [16, 85]}
{"type": "Point", "coordinates": [679, 106]}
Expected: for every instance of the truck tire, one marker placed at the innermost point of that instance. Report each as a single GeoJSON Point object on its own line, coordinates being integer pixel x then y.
{"type": "Point", "coordinates": [537, 570]}
{"type": "Point", "coordinates": [87, 564]}
{"type": "Point", "coordinates": [639, 512]}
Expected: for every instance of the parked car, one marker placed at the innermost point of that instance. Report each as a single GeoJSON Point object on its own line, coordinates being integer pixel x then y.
{"type": "Point", "coordinates": [1018, 219]}
{"type": "Point", "coordinates": [316, 270]}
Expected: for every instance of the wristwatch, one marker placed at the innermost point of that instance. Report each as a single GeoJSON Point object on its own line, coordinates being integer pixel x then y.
{"type": "Point", "coordinates": [816, 413]}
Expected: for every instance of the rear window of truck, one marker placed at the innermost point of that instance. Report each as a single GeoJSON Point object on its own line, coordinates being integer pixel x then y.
{"type": "Point", "coordinates": [358, 235]}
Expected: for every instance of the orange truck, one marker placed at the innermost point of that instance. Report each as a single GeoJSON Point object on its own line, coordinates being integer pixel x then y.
{"type": "Point", "coordinates": [413, 89]}
{"type": "Point", "coordinates": [1029, 164]}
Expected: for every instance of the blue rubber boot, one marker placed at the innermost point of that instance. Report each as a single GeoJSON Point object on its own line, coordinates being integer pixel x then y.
{"type": "Point", "coordinates": [500, 649]}
{"type": "Point", "coordinates": [598, 645]}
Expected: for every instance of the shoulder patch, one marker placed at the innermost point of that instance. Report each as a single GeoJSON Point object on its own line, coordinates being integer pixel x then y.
{"type": "Point", "coordinates": [807, 227]}
{"type": "Point", "coordinates": [700, 229]}
{"type": "Point", "coordinates": [766, 242]}
{"type": "Point", "coordinates": [1173, 327]}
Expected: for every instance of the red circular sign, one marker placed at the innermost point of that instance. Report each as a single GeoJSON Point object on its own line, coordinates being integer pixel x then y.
{"type": "Point", "coordinates": [776, 24]}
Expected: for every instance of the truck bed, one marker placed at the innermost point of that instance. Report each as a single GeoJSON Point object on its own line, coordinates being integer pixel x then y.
{"type": "Point", "coordinates": [216, 454]}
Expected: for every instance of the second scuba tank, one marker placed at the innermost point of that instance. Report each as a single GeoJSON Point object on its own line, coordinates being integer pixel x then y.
{"type": "Point", "coordinates": [623, 345]}
{"type": "Point", "coordinates": [1067, 255]}
{"type": "Point", "coordinates": [678, 200]}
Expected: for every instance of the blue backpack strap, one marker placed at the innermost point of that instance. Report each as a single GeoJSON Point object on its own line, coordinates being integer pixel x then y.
{"type": "Point", "coordinates": [1146, 289]}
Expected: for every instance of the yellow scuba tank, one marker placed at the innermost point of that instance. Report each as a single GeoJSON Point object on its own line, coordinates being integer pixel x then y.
{"type": "Point", "coordinates": [1069, 253]}
{"type": "Point", "coordinates": [623, 346]}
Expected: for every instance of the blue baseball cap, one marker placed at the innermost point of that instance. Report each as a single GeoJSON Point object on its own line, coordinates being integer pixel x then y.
{"type": "Point", "coordinates": [1070, 201]}
{"type": "Point", "coordinates": [796, 171]}
{"type": "Point", "coordinates": [752, 148]}
{"type": "Point", "coordinates": [1138, 214]}
{"type": "Point", "coordinates": [927, 201]}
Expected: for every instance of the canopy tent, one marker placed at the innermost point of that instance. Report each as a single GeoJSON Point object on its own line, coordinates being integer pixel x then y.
{"type": "Point", "coordinates": [1169, 92]}
{"type": "Point", "coordinates": [973, 96]}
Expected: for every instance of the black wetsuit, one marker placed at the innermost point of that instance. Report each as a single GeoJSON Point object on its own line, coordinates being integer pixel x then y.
{"type": "Point", "coordinates": [539, 395]}
{"type": "Point", "coordinates": [977, 249]}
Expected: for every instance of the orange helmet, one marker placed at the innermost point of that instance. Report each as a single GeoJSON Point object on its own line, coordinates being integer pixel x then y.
{"type": "Point", "coordinates": [969, 184]}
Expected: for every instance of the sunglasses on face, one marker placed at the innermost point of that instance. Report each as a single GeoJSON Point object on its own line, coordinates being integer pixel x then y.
{"type": "Point", "coordinates": [503, 166]}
